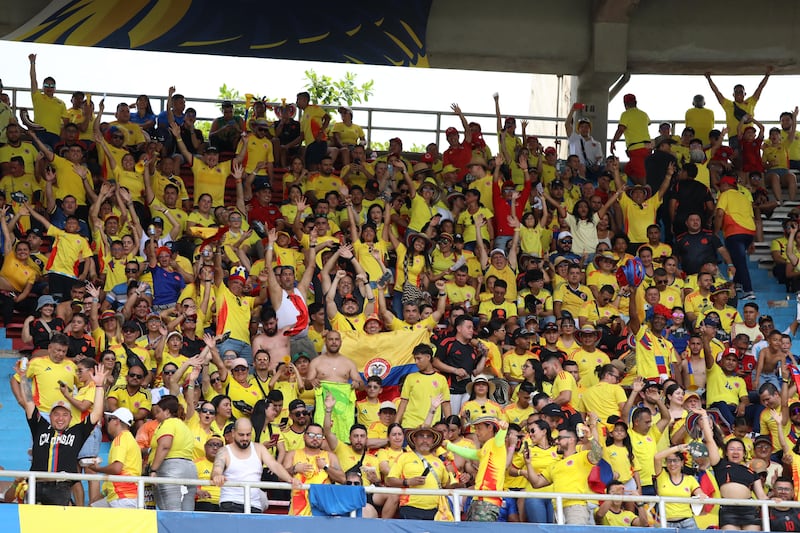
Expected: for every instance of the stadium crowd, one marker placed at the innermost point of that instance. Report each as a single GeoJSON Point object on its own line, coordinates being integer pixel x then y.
{"type": "Point", "coordinates": [209, 328]}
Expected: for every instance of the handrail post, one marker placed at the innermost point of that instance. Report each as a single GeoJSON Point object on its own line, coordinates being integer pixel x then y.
{"type": "Point", "coordinates": [662, 513]}
{"type": "Point", "coordinates": [560, 510]}
{"type": "Point", "coordinates": [456, 506]}
{"type": "Point", "coordinates": [369, 130]}
{"type": "Point", "coordinates": [246, 497]}
{"type": "Point", "coordinates": [764, 516]}
{"type": "Point", "coordinates": [32, 489]}
{"type": "Point", "coordinates": [140, 494]}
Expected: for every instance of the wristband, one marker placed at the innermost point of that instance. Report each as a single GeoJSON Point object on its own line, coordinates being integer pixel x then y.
{"type": "Point", "coordinates": [179, 140]}
{"type": "Point", "coordinates": [270, 247]}
{"type": "Point", "coordinates": [405, 483]}
{"type": "Point", "coordinates": [730, 264]}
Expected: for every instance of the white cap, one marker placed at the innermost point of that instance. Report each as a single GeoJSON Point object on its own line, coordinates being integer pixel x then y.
{"type": "Point", "coordinates": [123, 414]}
{"type": "Point", "coordinates": [387, 405]}
{"type": "Point", "coordinates": [564, 235]}
{"type": "Point", "coordinates": [498, 251]}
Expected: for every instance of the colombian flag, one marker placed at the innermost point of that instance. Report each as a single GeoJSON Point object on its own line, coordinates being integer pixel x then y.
{"type": "Point", "coordinates": [387, 355]}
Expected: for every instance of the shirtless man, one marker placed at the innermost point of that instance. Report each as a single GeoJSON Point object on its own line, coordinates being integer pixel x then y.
{"type": "Point", "coordinates": [273, 340]}
{"type": "Point", "coordinates": [333, 366]}
{"type": "Point", "coordinates": [768, 360]}
{"type": "Point", "coordinates": [693, 367]}
{"type": "Point", "coordinates": [287, 300]}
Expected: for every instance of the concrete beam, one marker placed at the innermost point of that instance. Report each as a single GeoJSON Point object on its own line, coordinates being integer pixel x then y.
{"type": "Point", "coordinates": [17, 14]}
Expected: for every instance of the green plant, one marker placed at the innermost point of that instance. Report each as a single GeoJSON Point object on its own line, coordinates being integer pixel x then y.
{"type": "Point", "coordinates": [325, 91]}
{"type": "Point", "coordinates": [229, 93]}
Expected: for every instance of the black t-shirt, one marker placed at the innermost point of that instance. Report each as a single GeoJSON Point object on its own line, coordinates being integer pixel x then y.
{"type": "Point", "coordinates": [696, 249]}
{"type": "Point", "coordinates": [290, 132]}
{"type": "Point", "coordinates": [459, 355]}
{"type": "Point", "coordinates": [41, 337]}
{"type": "Point", "coordinates": [728, 472]}
{"type": "Point", "coordinates": [55, 451]}
{"type": "Point", "coordinates": [691, 196]}
{"type": "Point", "coordinates": [190, 347]}
{"type": "Point", "coordinates": [787, 520]}
{"type": "Point", "coordinates": [81, 346]}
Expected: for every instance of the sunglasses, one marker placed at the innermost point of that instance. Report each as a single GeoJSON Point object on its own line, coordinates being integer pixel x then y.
{"type": "Point", "coordinates": [190, 319]}
{"type": "Point", "coordinates": [240, 369]}
{"type": "Point", "coordinates": [208, 411]}
{"type": "Point", "coordinates": [49, 85]}
{"type": "Point", "coordinates": [131, 270]}
{"type": "Point", "coordinates": [315, 435]}
{"type": "Point", "coordinates": [354, 483]}
{"type": "Point", "coordinates": [168, 372]}
{"type": "Point", "coordinates": [216, 380]}
{"type": "Point", "coordinates": [300, 413]}
{"type": "Point", "coordinates": [566, 241]}
{"type": "Point", "coordinates": [214, 444]}
{"type": "Point", "coordinates": [136, 376]}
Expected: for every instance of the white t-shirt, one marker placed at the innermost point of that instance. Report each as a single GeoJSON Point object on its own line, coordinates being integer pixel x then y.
{"type": "Point", "coordinates": [592, 148]}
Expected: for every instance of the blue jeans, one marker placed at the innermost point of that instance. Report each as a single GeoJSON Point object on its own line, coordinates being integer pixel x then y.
{"type": "Point", "coordinates": [539, 511]}
{"type": "Point", "coordinates": [241, 348]}
{"type": "Point", "coordinates": [397, 303]}
{"type": "Point", "coordinates": [502, 241]}
{"type": "Point", "coordinates": [727, 411]}
{"type": "Point", "coordinates": [737, 246]}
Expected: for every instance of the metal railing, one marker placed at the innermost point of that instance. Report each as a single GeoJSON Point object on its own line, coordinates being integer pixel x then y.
{"type": "Point", "coordinates": [430, 122]}
{"type": "Point", "coordinates": [456, 494]}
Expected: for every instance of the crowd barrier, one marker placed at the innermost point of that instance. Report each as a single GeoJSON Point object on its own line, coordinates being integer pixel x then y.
{"type": "Point", "coordinates": [456, 494]}
{"type": "Point", "coordinates": [381, 120]}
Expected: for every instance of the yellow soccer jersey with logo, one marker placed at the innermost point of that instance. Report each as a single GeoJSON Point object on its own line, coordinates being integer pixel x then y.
{"type": "Point", "coordinates": [208, 180]}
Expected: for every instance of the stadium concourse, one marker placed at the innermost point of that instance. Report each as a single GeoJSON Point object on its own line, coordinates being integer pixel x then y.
{"type": "Point", "coordinates": [276, 302]}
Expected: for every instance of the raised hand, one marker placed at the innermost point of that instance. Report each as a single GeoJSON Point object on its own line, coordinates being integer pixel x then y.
{"type": "Point", "coordinates": [237, 170]}
{"type": "Point", "coordinates": [330, 401]}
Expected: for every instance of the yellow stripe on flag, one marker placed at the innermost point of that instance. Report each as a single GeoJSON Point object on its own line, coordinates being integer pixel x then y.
{"type": "Point", "coordinates": [39, 518]}
{"type": "Point", "coordinates": [395, 347]}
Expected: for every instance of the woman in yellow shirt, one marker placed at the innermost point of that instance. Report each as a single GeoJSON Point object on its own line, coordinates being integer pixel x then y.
{"type": "Point", "coordinates": [172, 449]}
{"type": "Point", "coordinates": [413, 265]}
{"type": "Point", "coordinates": [479, 403]}
{"type": "Point", "coordinates": [541, 453]}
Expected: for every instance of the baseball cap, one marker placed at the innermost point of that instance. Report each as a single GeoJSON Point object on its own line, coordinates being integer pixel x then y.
{"type": "Point", "coordinates": [549, 150]}
{"type": "Point", "coordinates": [451, 131]}
{"type": "Point", "coordinates": [498, 251]}
{"type": "Point", "coordinates": [295, 404]}
{"type": "Point", "coordinates": [387, 405]}
{"type": "Point", "coordinates": [629, 98]}
{"type": "Point", "coordinates": [563, 235]}
{"type": "Point", "coordinates": [123, 414]}
{"type": "Point", "coordinates": [551, 409]}
{"type": "Point", "coordinates": [61, 403]}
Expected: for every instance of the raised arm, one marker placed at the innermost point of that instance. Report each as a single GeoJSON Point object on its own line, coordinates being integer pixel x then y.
{"type": "Point", "coordinates": [568, 123]}
{"type": "Point", "coordinates": [327, 423]}
{"type": "Point", "coordinates": [464, 124]}
{"type": "Point", "coordinates": [48, 153]}
{"type": "Point", "coordinates": [176, 132]}
{"type": "Point", "coordinates": [714, 89]}
{"type": "Point", "coordinates": [635, 322]}
{"type": "Point", "coordinates": [34, 83]}
{"type": "Point", "coordinates": [275, 291]}
{"type": "Point", "coordinates": [757, 93]}
{"type": "Point", "coordinates": [667, 180]}
{"type": "Point", "coordinates": [308, 275]}
{"type": "Point", "coordinates": [35, 214]}
{"type": "Point", "coordinates": [497, 114]}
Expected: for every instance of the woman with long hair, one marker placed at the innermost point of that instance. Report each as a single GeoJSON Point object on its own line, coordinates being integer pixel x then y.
{"type": "Point", "coordinates": [672, 481]}
{"type": "Point", "coordinates": [538, 452]}
{"type": "Point", "coordinates": [480, 404]}
{"type": "Point", "coordinates": [618, 452]}
{"type": "Point", "coordinates": [172, 449]}
{"type": "Point", "coordinates": [144, 115]}
{"type": "Point", "coordinates": [386, 458]}
{"type": "Point", "coordinates": [224, 415]}
{"type": "Point", "coordinates": [413, 265]}
{"type": "Point", "coordinates": [606, 398]}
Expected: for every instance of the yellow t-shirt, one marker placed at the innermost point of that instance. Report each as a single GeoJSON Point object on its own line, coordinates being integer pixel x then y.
{"type": "Point", "coordinates": [639, 217]}
{"type": "Point", "coordinates": [512, 363]}
{"type": "Point", "coordinates": [348, 135]}
{"type": "Point", "coordinates": [418, 389]}
{"type": "Point", "coordinates": [738, 218]}
{"type": "Point", "coordinates": [233, 314]}
{"type": "Point", "coordinates": [645, 448]}
{"type": "Point", "coordinates": [684, 489]}
{"type": "Point", "coordinates": [513, 414]}
{"type": "Point", "coordinates": [126, 451]}
{"type": "Point", "coordinates": [182, 440]}
{"type": "Point", "coordinates": [68, 181]}
{"type": "Point", "coordinates": [367, 412]}
{"type": "Point", "coordinates": [140, 400]}
{"type": "Point", "coordinates": [258, 151]}
{"type": "Point", "coordinates": [701, 120]}
{"type": "Point", "coordinates": [204, 469]}
{"type": "Point", "coordinates": [17, 273]}
{"type": "Point", "coordinates": [66, 250]}
{"type": "Point", "coordinates": [470, 230]}
{"type": "Point", "coordinates": [131, 180]}
{"type": "Point", "coordinates": [48, 112]}
{"type": "Point", "coordinates": [311, 122]}
{"type": "Point", "coordinates": [209, 180]}
{"type": "Point", "coordinates": [748, 106]}
{"type": "Point", "coordinates": [321, 185]}
{"type": "Point", "coordinates": [571, 299]}
{"type": "Point", "coordinates": [159, 181]}
{"type": "Point", "coordinates": [587, 361]}
{"type": "Point", "coordinates": [617, 457]}
{"type": "Point", "coordinates": [409, 465]}
{"type": "Point", "coordinates": [45, 375]}
{"type": "Point", "coordinates": [603, 399]}
{"type": "Point", "coordinates": [239, 393]}
{"type": "Point", "coordinates": [26, 151]}
{"type": "Point", "coordinates": [348, 458]}
{"type": "Point", "coordinates": [723, 388]}
{"type": "Point", "coordinates": [636, 122]}
{"type": "Point", "coordinates": [570, 475]}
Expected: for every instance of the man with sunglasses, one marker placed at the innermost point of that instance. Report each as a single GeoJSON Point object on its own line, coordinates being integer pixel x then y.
{"type": "Point", "coordinates": [133, 396]}
{"type": "Point", "coordinates": [292, 436]}
{"type": "Point", "coordinates": [311, 465]}
{"type": "Point", "coordinates": [124, 459]}
{"type": "Point", "coordinates": [208, 495]}
{"type": "Point", "coordinates": [49, 111]}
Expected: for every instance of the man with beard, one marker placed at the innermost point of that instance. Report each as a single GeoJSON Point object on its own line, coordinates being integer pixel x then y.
{"type": "Point", "coordinates": [459, 360]}
{"type": "Point", "coordinates": [655, 354]}
{"type": "Point", "coordinates": [273, 341]}
{"type": "Point", "coordinates": [287, 299]}
{"type": "Point", "coordinates": [311, 465]}
{"type": "Point", "coordinates": [244, 461]}
{"type": "Point", "coordinates": [571, 474]}
{"type": "Point", "coordinates": [334, 373]}
{"type": "Point", "coordinates": [353, 456]}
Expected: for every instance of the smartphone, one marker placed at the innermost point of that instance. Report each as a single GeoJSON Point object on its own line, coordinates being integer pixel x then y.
{"type": "Point", "coordinates": [61, 383]}
{"type": "Point", "coordinates": [284, 421]}
{"type": "Point", "coordinates": [525, 450]}
{"type": "Point", "coordinates": [426, 471]}
{"type": "Point", "coordinates": [225, 336]}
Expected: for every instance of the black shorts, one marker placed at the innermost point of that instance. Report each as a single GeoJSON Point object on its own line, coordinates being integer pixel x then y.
{"type": "Point", "coordinates": [414, 513]}
{"type": "Point", "coordinates": [54, 492]}
{"type": "Point", "coordinates": [734, 515]}
{"type": "Point", "coordinates": [315, 152]}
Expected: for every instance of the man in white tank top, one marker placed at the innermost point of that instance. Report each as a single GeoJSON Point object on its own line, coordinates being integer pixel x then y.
{"type": "Point", "coordinates": [244, 461]}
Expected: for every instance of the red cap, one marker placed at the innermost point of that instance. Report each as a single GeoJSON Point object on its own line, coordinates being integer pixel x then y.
{"type": "Point", "coordinates": [162, 249]}
{"type": "Point", "coordinates": [728, 180]}
{"type": "Point", "coordinates": [450, 131]}
{"type": "Point", "coordinates": [629, 98]}
{"type": "Point", "coordinates": [549, 150]}
{"type": "Point", "coordinates": [395, 139]}
{"type": "Point", "coordinates": [427, 158]}
{"type": "Point", "coordinates": [508, 184]}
